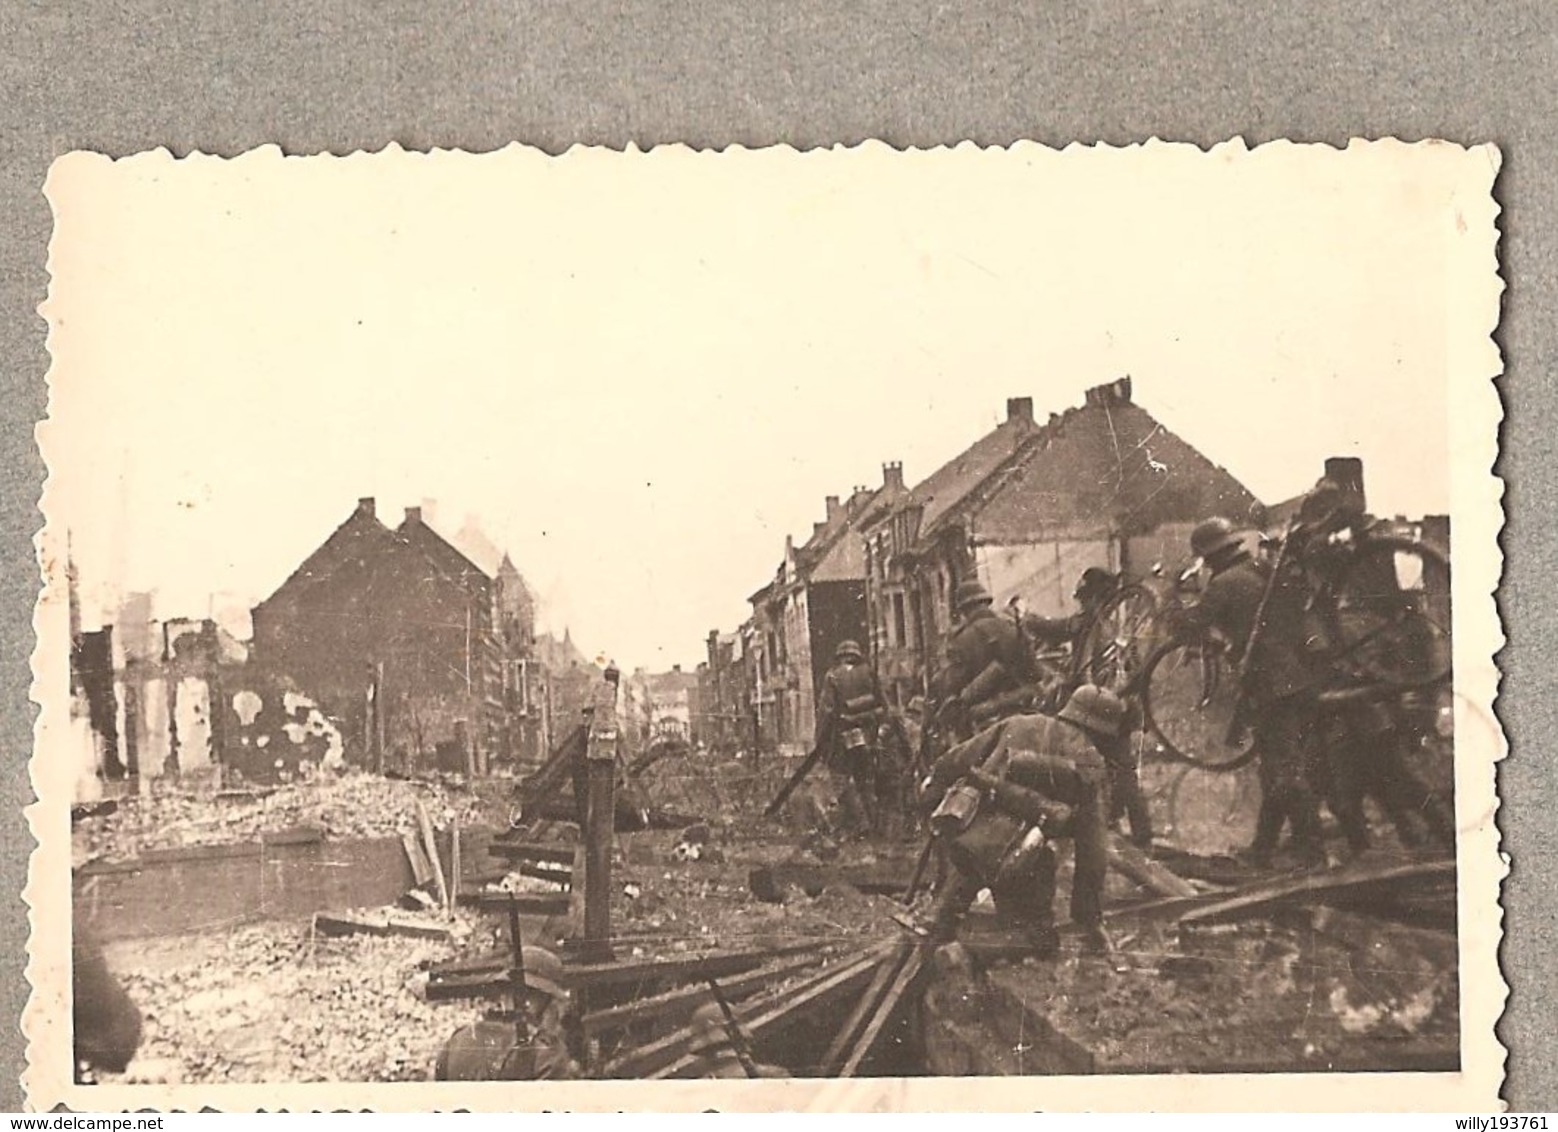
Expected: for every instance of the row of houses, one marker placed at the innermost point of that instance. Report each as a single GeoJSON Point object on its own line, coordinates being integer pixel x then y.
{"type": "Point", "coordinates": [394, 648]}
{"type": "Point", "coordinates": [1025, 509]}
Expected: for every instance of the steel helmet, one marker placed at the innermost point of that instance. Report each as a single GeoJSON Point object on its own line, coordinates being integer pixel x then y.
{"type": "Point", "coordinates": [1212, 537]}
{"type": "Point", "coordinates": [1096, 709]}
{"type": "Point", "coordinates": [708, 1028]}
{"type": "Point", "coordinates": [543, 971]}
{"type": "Point", "coordinates": [972, 592]}
{"type": "Point", "coordinates": [1094, 580]}
{"type": "Point", "coordinates": [848, 648]}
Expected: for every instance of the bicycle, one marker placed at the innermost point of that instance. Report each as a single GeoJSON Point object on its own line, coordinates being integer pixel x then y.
{"type": "Point", "coordinates": [1380, 604]}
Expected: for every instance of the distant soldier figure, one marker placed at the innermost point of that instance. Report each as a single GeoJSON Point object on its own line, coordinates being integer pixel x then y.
{"type": "Point", "coordinates": [1279, 695]}
{"type": "Point", "coordinates": [1003, 797]}
{"type": "Point", "coordinates": [536, 1045]}
{"type": "Point", "coordinates": [714, 1054]}
{"type": "Point", "coordinates": [989, 672]}
{"type": "Point", "coordinates": [850, 713]}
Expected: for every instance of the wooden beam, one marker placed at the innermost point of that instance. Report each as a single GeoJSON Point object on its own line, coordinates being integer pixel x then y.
{"type": "Point", "coordinates": [838, 1049]}
{"type": "Point", "coordinates": [762, 1016]}
{"type": "Point", "coordinates": [667, 1055]}
{"type": "Point", "coordinates": [600, 763]}
{"type": "Point", "coordinates": [1132, 862]}
{"type": "Point", "coordinates": [430, 846]}
{"type": "Point", "coordinates": [528, 851]}
{"type": "Point", "coordinates": [685, 999]}
{"type": "Point", "coordinates": [1348, 879]}
{"type": "Point", "coordinates": [885, 1011]}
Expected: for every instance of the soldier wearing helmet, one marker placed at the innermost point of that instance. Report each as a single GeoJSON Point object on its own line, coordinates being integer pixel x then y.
{"type": "Point", "coordinates": [532, 1042]}
{"type": "Point", "coordinates": [714, 1053]}
{"type": "Point", "coordinates": [989, 673]}
{"type": "Point", "coordinates": [1280, 688]}
{"type": "Point", "coordinates": [1003, 797]}
{"type": "Point", "coordinates": [850, 711]}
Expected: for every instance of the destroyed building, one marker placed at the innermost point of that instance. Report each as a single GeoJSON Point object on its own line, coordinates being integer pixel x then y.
{"type": "Point", "coordinates": [723, 716]}
{"type": "Point", "coordinates": [409, 643]}
{"type": "Point", "coordinates": [1026, 509]}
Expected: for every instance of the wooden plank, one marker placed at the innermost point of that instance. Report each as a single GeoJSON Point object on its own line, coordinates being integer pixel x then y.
{"type": "Point", "coordinates": [420, 868]}
{"type": "Point", "coordinates": [454, 866]}
{"type": "Point", "coordinates": [1131, 861]}
{"type": "Point", "coordinates": [376, 923]}
{"type": "Point", "coordinates": [430, 846]}
{"type": "Point", "coordinates": [837, 1048]}
{"type": "Point", "coordinates": [662, 1056]}
{"type": "Point", "coordinates": [686, 999]}
{"type": "Point", "coordinates": [527, 851]}
{"type": "Point", "coordinates": [718, 964]}
{"type": "Point", "coordinates": [1317, 886]}
{"type": "Point", "coordinates": [529, 903]}
{"type": "Point", "coordinates": [885, 1011]}
{"type": "Point", "coordinates": [760, 1017]}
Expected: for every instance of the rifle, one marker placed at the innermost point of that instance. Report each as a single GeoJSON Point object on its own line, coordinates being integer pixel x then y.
{"type": "Point", "coordinates": [1235, 723]}
{"type": "Point", "coordinates": [807, 764]}
{"type": "Point", "coordinates": [738, 1040]}
{"type": "Point", "coordinates": [918, 879]}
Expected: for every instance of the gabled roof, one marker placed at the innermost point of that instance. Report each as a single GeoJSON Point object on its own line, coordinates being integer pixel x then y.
{"type": "Point", "coordinates": [1108, 463]}
{"type": "Point", "coordinates": [950, 484]}
{"type": "Point", "coordinates": [441, 551]}
{"type": "Point", "coordinates": [351, 546]}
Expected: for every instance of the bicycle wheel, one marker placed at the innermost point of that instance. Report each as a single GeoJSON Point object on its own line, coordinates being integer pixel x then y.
{"type": "Point", "coordinates": [1118, 642]}
{"type": "Point", "coordinates": [1188, 697]}
{"type": "Point", "coordinates": [1392, 614]}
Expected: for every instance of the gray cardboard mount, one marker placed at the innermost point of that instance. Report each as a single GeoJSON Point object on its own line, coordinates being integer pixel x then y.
{"type": "Point", "coordinates": [224, 77]}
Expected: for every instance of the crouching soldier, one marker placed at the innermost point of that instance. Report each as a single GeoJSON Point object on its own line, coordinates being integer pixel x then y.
{"type": "Point", "coordinates": [714, 1052]}
{"type": "Point", "coordinates": [850, 712]}
{"type": "Point", "coordinates": [1003, 797]}
{"type": "Point", "coordinates": [534, 1042]}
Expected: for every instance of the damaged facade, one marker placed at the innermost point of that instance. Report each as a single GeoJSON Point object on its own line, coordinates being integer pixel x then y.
{"type": "Point", "coordinates": [417, 650]}
{"type": "Point", "coordinates": [1026, 509]}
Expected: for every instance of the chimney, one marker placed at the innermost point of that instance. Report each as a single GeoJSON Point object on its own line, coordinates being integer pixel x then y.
{"type": "Point", "coordinates": [365, 506]}
{"type": "Point", "coordinates": [833, 507]}
{"type": "Point", "coordinates": [892, 475]}
{"type": "Point", "coordinates": [1347, 471]}
{"type": "Point", "coordinates": [413, 516]}
{"type": "Point", "coordinates": [817, 529]}
{"type": "Point", "coordinates": [676, 668]}
{"type": "Point", "coordinates": [1019, 409]}
{"type": "Point", "coordinates": [1115, 393]}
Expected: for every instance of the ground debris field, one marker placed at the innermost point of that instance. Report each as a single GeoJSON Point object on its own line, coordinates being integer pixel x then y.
{"type": "Point", "coordinates": [341, 806]}
{"type": "Point", "coordinates": [1290, 985]}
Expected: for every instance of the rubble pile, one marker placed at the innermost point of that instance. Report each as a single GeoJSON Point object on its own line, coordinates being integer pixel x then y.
{"type": "Point", "coordinates": [709, 901]}
{"type": "Point", "coordinates": [274, 1003]}
{"type": "Point", "coordinates": [352, 805]}
{"type": "Point", "coordinates": [1256, 992]}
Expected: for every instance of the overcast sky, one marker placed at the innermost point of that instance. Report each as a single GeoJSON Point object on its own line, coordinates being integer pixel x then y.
{"type": "Point", "coordinates": [643, 371]}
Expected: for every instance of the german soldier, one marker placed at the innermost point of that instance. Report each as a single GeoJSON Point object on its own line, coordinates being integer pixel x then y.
{"type": "Point", "coordinates": [989, 673]}
{"type": "Point", "coordinates": [535, 1045]}
{"type": "Point", "coordinates": [1002, 798]}
{"type": "Point", "coordinates": [850, 713]}
{"type": "Point", "coordinates": [1280, 689]}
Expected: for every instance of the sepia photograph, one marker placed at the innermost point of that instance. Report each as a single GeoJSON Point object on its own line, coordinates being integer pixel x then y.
{"type": "Point", "coordinates": [854, 619]}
